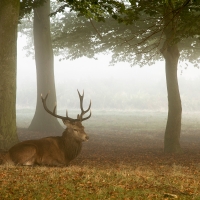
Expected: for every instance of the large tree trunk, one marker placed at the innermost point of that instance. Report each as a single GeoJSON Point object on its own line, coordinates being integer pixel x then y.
{"type": "Point", "coordinates": [42, 121]}
{"type": "Point", "coordinates": [9, 14]}
{"type": "Point", "coordinates": [173, 127]}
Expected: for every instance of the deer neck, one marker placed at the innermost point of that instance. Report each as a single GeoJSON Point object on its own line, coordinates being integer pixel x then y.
{"type": "Point", "coordinates": [71, 145]}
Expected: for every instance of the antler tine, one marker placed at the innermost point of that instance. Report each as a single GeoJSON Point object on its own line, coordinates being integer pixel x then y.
{"type": "Point", "coordinates": [82, 110]}
{"type": "Point", "coordinates": [88, 116]}
{"type": "Point", "coordinates": [89, 106]}
{"type": "Point", "coordinates": [54, 110]}
{"type": "Point", "coordinates": [81, 100]}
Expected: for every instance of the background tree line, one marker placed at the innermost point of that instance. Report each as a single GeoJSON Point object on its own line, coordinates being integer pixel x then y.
{"type": "Point", "coordinates": [113, 93]}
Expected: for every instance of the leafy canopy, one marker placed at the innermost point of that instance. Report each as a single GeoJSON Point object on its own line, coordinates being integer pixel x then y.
{"type": "Point", "coordinates": [132, 31]}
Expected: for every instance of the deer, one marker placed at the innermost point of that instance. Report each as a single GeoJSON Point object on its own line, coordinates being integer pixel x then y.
{"type": "Point", "coordinates": [56, 150]}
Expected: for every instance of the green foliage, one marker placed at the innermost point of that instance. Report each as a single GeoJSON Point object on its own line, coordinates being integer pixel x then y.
{"type": "Point", "coordinates": [93, 9]}
{"type": "Point", "coordinates": [131, 31]}
{"type": "Point", "coordinates": [139, 37]}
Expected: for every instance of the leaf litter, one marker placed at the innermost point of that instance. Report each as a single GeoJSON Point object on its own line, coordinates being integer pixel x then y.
{"type": "Point", "coordinates": [111, 166]}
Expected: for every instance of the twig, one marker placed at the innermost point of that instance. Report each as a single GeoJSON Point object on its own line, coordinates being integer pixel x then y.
{"type": "Point", "coordinates": [96, 30]}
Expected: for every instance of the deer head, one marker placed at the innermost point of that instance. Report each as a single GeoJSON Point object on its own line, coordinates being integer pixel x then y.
{"type": "Point", "coordinates": [74, 126]}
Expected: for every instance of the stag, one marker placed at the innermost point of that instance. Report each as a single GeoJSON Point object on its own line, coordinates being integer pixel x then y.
{"type": "Point", "coordinates": [52, 151]}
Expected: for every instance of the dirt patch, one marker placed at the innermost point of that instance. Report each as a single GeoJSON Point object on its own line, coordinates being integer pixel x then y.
{"type": "Point", "coordinates": [136, 149]}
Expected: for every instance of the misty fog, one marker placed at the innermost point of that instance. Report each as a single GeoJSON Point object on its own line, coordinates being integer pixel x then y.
{"type": "Point", "coordinates": [118, 87]}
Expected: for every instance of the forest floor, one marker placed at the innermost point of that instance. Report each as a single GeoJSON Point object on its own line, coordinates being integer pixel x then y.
{"type": "Point", "coordinates": [118, 162]}
{"type": "Point", "coordinates": [118, 148]}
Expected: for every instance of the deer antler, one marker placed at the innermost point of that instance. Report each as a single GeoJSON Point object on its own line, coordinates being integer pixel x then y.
{"type": "Point", "coordinates": [79, 117]}
{"type": "Point", "coordinates": [54, 110]}
{"type": "Point", "coordinates": [82, 110]}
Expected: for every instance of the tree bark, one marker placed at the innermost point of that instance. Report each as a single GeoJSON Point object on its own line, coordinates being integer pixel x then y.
{"type": "Point", "coordinates": [42, 121]}
{"type": "Point", "coordinates": [171, 54]}
{"type": "Point", "coordinates": [9, 14]}
{"type": "Point", "coordinates": [173, 127]}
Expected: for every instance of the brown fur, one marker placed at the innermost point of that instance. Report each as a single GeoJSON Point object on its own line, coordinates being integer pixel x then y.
{"type": "Point", "coordinates": [51, 151]}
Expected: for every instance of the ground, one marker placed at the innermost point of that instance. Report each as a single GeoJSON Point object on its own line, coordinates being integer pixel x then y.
{"type": "Point", "coordinates": [133, 149]}
{"type": "Point", "coordinates": [123, 159]}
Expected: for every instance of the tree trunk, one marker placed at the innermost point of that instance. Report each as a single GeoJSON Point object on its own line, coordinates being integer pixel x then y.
{"type": "Point", "coordinates": [171, 54]}
{"type": "Point", "coordinates": [173, 127]}
{"type": "Point", "coordinates": [9, 14]}
{"type": "Point", "coordinates": [42, 121]}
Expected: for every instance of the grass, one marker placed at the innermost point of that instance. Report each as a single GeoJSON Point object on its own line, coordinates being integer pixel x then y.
{"type": "Point", "coordinates": [90, 182]}
{"type": "Point", "coordinates": [122, 160]}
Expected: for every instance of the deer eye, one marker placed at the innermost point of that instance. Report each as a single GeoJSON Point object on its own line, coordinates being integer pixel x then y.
{"type": "Point", "coordinates": [75, 130]}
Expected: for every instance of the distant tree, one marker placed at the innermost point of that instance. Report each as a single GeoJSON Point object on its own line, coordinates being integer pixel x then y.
{"type": "Point", "coordinates": [44, 59]}
{"type": "Point", "coordinates": [158, 28]}
{"type": "Point", "coordinates": [9, 13]}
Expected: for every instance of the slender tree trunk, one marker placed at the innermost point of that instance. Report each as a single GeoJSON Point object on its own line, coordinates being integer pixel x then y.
{"type": "Point", "coordinates": [173, 127]}
{"type": "Point", "coordinates": [171, 54]}
{"type": "Point", "coordinates": [42, 121]}
{"type": "Point", "coordinates": [9, 14]}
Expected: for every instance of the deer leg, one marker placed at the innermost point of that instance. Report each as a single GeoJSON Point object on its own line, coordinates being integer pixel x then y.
{"type": "Point", "coordinates": [23, 155]}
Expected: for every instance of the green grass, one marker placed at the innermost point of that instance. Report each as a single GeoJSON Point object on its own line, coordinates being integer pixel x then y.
{"type": "Point", "coordinates": [90, 182]}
